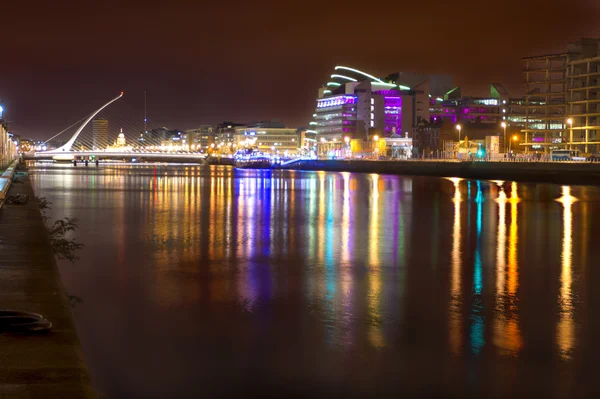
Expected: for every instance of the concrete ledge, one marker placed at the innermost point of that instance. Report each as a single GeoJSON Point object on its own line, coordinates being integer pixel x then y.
{"type": "Point", "coordinates": [4, 186]}
{"type": "Point", "coordinates": [5, 180]}
{"type": "Point", "coordinates": [49, 365]}
{"type": "Point", "coordinates": [547, 172]}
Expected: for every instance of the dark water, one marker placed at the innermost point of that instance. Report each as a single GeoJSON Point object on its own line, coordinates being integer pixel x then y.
{"type": "Point", "coordinates": [220, 282]}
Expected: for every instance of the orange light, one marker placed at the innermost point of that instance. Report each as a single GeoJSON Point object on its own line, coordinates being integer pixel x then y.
{"type": "Point", "coordinates": [515, 138]}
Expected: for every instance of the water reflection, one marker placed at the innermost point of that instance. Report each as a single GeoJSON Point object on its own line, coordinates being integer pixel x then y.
{"type": "Point", "coordinates": [332, 270]}
{"type": "Point", "coordinates": [507, 336]}
{"type": "Point", "coordinates": [565, 331]}
{"type": "Point", "coordinates": [375, 333]}
{"type": "Point", "coordinates": [455, 278]}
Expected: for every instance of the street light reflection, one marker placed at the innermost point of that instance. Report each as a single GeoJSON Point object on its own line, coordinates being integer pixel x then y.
{"type": "Point", "coordinates": [565, 334]}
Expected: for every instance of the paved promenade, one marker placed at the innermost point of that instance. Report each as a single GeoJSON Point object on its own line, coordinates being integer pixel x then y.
{"type": "Point", "coordinates": [36, 366]}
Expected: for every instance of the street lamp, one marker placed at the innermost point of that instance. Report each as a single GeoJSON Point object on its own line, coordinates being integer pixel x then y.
{"type": "Point", "coordinates": [503, 124]}
{"type": "Point", "coordinates": [514, 138]}
{"type": "Point", "coordinates": [458, 127]}
{"type": "Point", "coordinates": [570, 122]}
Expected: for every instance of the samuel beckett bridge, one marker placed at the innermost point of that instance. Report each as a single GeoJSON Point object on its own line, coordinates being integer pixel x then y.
{"type": "Point", "coordinates": [139, 141]}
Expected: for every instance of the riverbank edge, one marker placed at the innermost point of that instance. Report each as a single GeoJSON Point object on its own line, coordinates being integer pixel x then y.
{"type": "Point", "coordinates": [536, 172]}
{"type": "Point", "coordinates": [39, 365]}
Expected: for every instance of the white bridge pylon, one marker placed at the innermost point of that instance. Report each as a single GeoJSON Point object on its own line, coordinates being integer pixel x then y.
{"type": "Point", "coordinates": [69, 144]}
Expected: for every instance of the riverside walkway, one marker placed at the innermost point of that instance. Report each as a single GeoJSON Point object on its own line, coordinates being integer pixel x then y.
{"type": "Point", "coordinates": [47, 365]}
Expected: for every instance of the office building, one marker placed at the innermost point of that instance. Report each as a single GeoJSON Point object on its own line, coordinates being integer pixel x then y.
{"type": "Point", "coordinates": [561, 100]}
{"type": "Point", "coordinates": [100, 133]}
{"type": "Point", "coordinates": [200, 138]}
{"type": "Point", "coordinates": [355, 105]}
{"type": "Point", "coordinates": [275, 138]}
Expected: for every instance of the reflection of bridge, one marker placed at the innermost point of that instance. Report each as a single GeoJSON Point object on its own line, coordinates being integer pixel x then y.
{"type": "Point", "coordinates": [66, 153]}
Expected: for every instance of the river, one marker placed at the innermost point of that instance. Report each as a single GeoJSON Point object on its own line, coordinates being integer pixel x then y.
{"type": "Point", "coordinates": [212, 281]}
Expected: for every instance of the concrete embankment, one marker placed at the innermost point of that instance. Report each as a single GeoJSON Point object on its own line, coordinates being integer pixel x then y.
{"type": "Point", "coordinates": [48, 365]}
{"type": "Point", "coordinates": [547, 172]}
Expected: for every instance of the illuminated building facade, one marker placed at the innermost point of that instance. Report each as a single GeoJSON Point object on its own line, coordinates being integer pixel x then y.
{"type": "Point", "coordinates": [562, 98]}
{"type": "Point", "coordinates": [121, 142]}
{"type": "Point", "coordinates": [458, 109]}
{"type": "Point", "coordinates": [225, 132]}
{"type": "Point", "coordinates": [271, 140]}
{"type": "Point", "coordinates": [8, 146]}
{"type": "Point", "coordinates": [355, 105]}
{"type": "Point", "coordinates": [201, 137]}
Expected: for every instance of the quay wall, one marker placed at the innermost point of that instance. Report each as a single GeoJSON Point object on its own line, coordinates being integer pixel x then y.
{"type": "Point", "coordinates": [546, 172]}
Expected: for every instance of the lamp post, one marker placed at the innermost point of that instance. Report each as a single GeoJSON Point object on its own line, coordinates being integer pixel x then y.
{"type": "Point", "coordinates": [458, 127]}
{"type": "Point", "coordinates": [514, 138]}
{"type": "Point", "coordinates": [570, 122]}
{"type": "Point", "coordinates": [347, 140]}
{"type": "Point", "coordinates": [503, 124]}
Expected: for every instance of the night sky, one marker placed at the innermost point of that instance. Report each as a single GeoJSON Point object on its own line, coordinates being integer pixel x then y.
{"type": "Point", "coordinates": [205, 62]}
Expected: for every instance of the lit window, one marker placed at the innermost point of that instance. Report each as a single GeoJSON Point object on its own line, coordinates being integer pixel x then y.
{"type": "Point", "coordinates": [372, 115]}
{"type": "Point", "coordinates": [372, 101]}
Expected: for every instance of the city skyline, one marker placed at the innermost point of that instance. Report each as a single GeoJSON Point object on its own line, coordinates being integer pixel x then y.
{"type": "Point", "coordinates": [63, 61]}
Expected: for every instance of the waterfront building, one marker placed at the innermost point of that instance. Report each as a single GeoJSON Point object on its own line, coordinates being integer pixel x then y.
{"type": "Point", "coordinates": [562, 97]}
{"type": "Point", "coordinates": [277, 140]}
{"type": "Point", "coordinates": [426, 137]}
{"type": "Point", "coordinates": [466, 109]}
{"type": "Point", "coordinates": [200, 138]}
{"type": "Point", "coordinates": [8, 145]}
{"type": "Point", "coordinates": [354, 104]}
{"type": "Point", "coordinates": [225, 132]}
{"type": "Point", "coordinates": [100, 133]}
{"type": "Point", "coordinates": [157, 135]}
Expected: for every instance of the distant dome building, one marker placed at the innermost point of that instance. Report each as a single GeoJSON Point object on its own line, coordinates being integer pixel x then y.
{"type": "Point", "coordinates": [121, 140]}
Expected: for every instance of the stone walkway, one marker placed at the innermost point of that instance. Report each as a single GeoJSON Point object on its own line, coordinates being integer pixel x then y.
{"type": "Point", "coordinates": [36, 366]}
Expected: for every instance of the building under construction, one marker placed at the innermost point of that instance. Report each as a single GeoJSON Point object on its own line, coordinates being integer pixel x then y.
{"type": "Point", "coordinates": [561, 101]}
